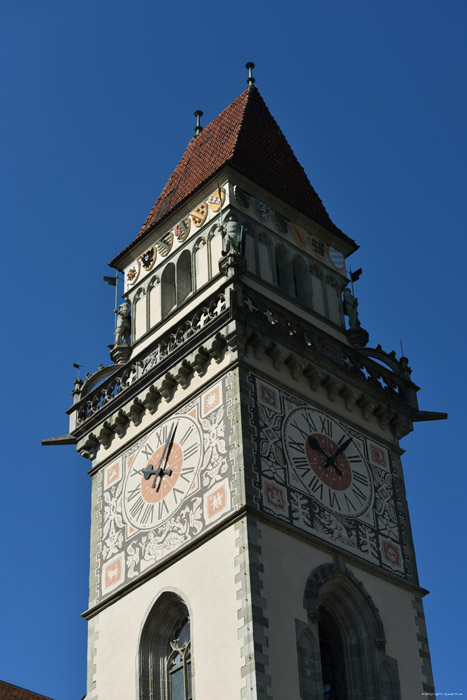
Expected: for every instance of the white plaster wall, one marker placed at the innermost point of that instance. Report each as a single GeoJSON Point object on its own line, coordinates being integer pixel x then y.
{"type": "Point", "coordinates": [288, 562]}
{"type": "Point", "coordinates": [205, 579]}
{"type": "Point", "coordinates": [398, 617]}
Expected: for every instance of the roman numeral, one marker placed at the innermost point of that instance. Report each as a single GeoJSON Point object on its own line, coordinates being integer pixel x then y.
{"type": "Point", "coordinates": [316, 485]}
{"type": "Point", "coordinates": [349, 503]}
{"type": "Point", "coordinates": [148, 451]}
{"type": "Point", "coordinates": [295, 425]}
{"type": "Point", "coordinates": [301, 463]}
{"type": "Point", "coordinates": [163, 508]}
{"type": "Point", "coordinates": [310, 422]}
{"type": "Point", "coordinates": [161, 436]}
{"type": "Point", "coordinates": [186, 435]}
{"type": "Point", "coordinates": [294, 445]}
{"type": "Point", "coordinates": [326, 426]}
{"type": "Point", "coordinates": [361, 478]}
{"type": "Point", "coordinates": [134, 492]}
{"type": "Point", "coordinates": [148, 513]}
{"type": "Point", "coordinates": [137, 507]}
{"type": "Point", "coordinates": [359, 494]}
{"type": "Point", "coordinates": [354, 458]}
{"type": "Point", "coordinates": [333, 500]}
{"type": "Point", "coordinates": [176, 491]}
{"type": "Point", "coordinates": [185, 471]}
{"type": "Point", "coordinates": [190, 451]}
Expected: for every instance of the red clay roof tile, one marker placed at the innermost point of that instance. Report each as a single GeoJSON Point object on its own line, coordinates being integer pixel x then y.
{"type": "Point", "coordinates": [14, 692]}
{"type": "Point", "coordinates": [246, 137]}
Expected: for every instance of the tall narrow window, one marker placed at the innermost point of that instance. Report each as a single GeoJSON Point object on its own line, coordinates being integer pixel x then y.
{"type": "Point", "coordinates": [317, 290]}
{"type": "Point", "coordinates": [168, 289]}
{"type": "Point", "coordinates": [301, 281]}
{"type": "Point", "coordinates": [215, 252]}
{"type": "Point", "coordinates": [201, 268]}
{"type": "Point", "coordinates": [284, 275]}
{"type": "Point", "coordinates": [250, 253]}
{"type": "Point", "coordinates": [265, 259]}
{"type": "Point", "coordinates": [179, 664]}
{"type": "Point", "coordinates": [183, 276]}
{"type": "Point", "coordinates": [333, 298]}
{"type": "Point", "coordinates": [154, 301]}
{"type": "Point", "coordinates": [332, 659]}
{"type": "Point", "coordinates": [139, 314]}
{"type": "Point", "coordinates": [165, 652]}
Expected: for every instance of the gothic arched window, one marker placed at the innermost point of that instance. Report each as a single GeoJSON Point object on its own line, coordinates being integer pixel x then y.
{"type": "Point", "coordinates": [341, 650]}
{"type": "Point", "coordinates": [168, 289]}
{"type": "Point", "coordinates": [184, 284]}
{"type": "Point", "coordinates": [284, 277]}
{"type": "Point", "coordinates": [165, 651]}
{"type": "Point", "coordinates": [331, 651]}
{"type": "Point", "coordinates": [301, 281]}
{"type": "Point", "coordinates": [179, 664]}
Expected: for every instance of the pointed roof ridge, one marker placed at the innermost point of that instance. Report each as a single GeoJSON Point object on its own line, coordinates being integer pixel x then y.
{"type": "Point", "coordinates": [157, 212]}
{"type": "Point", "coordinates": [246, 137]}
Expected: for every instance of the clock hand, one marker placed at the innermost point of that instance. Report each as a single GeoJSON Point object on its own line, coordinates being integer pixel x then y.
{"type": "Point", "coordinates": [167, 448]}
{"type": "Point", "coordinates": [339, 451]}
{"type": "Point", "coordinates": [314, 444]}
{"type": "Point", "coordinates": [342, 448]}
{"type": "Point", "coordinates": [147, 471]}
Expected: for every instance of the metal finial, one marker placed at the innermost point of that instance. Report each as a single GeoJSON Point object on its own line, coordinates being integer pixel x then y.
{"type": "Point", "coordinates": [250, 80]}
{"type": "Point", "coordinates": [198, 127]}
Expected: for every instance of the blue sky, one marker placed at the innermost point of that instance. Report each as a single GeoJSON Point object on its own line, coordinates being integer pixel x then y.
{"type": "Point", "coordinates": [98, 102]}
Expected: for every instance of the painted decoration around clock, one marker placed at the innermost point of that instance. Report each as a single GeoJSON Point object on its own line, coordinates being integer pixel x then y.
{"type": "Point", "coordinates": [327, 479]}
{"type": "Point", "coordinates": [168, 488]}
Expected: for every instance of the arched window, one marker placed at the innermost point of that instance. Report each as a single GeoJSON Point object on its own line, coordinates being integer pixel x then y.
{"type": "Point", "coordinates": [284, 277]}
{"type": "Point", "coordinates": [200, 264]}
{"type": "Point", "coordinates": [333, 299]}
{"type": "Point", "coordinates": [154, 301]}
{"type": "Point", "coordinates": [184, 287]}
{"type": "Point", "coordinates": [215, 252]}
{"type": "Point", "coordinates": [165, 651]}
{"type": "Point", "coordinates": [331, 652]}
{"type": "Point", "coordinates": [317, 290]}
{"type": "Point", "coordinates": [265, 259]}
{"type": "Point", "coordinates": [250, 249]}
{"type": "Point", "coordinates": [139, 314]}
{"type": "Point", "coordinates": [168, 289]}
{"type": "Point", "coordinates": [344, 656]}
{"type": "Point", "coordinates": [301, 281]}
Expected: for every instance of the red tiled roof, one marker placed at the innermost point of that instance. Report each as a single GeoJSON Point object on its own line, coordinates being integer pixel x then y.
{"type": "Point", "coordinates": [246, 137]}
{"type": "Point", "coordinates": [14, 692]}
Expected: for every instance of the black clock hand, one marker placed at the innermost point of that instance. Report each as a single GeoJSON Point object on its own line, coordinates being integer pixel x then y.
{"type": "Point", "coordinates": [164, 471]}
{"type": "Point", "coordinates": [150, 472]}
{"type": "Point", "coordinates": [314, 444]}
{"type": "Point", "coordinates": [339, 451]}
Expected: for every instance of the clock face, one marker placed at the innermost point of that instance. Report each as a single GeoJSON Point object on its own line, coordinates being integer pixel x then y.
{"type": "Point", "coordinates": [327, 462]}
{"type": "Point", "coordinates": [162, 472]}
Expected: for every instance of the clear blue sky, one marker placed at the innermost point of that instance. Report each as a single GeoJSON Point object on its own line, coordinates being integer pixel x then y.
{"type": "Point", "coordinates": [98, 102]}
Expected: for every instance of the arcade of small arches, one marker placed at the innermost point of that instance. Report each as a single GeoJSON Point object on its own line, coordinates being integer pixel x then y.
{"type": "Point", "coordinates": [173, 283]}
{"type": "Point", "coordinates": [340, 650]}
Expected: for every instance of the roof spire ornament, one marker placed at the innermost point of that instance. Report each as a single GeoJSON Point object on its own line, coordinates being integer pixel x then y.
{"type": "Point", "coordinates": [198, 127]}
{"type": "Point", "coordinates": [250, 80]}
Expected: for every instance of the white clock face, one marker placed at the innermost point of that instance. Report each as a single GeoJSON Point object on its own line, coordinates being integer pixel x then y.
{"type": "Point", "coordinates": [162, 472]}
{"type": "Point", "coordinates": [327, 461]}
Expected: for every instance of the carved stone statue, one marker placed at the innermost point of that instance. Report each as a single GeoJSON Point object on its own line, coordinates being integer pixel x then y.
{"type": "Point", "coordinates": [350, 309]}
{"type": "Point", "coordinates": [234, 238]}
{"type": "Point", "coordinates": [123, 329]}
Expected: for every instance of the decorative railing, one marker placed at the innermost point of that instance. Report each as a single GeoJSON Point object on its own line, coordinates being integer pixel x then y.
{"type": "Point", "coordinates": [394, 379]}
{"type": "Point", "coordinates": [194, 325]}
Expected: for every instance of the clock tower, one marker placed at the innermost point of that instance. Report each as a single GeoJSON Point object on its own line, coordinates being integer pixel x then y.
{"type": "Point", "coordinates": [250, 536]}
